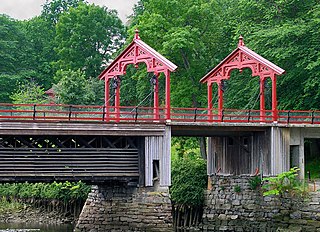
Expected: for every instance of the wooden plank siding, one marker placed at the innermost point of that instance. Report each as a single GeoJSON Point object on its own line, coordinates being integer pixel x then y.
{"type": "Point", "coordinates": [280, 150]}
{"type": "Point", "coordinates": [236, 155]}
{"type": "Point", "coordinates": [67, 163]}
{"type": "Point", "coordinates": [91, 158]}
{"type": "Point", "coordinates": [158, 148]}
{"type": "Point", "coordinates": [153, 151]}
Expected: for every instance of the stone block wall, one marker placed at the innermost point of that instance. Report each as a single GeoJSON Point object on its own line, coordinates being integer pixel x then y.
{"type": "Point", "coordinates": [124, 208]}
{"type": "Point", "coordinates": [231, 205]}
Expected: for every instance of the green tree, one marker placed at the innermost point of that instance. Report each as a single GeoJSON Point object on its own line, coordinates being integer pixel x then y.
{"type": "Point", "coordinates": [52, 9]}
{"type": "Point", "coordinates": [20, 55]}
{"type": "Point", "coordinates": [39, 37]}
{"type": "Point", "coordinates": [29, 92]}
{"type": "Point", "coordinates": [8, 85]}
{"type": "Point", "coordinates": [12, 46]}
{"type": "Point", "coordinates": [75, 88]}
{"type": "Point", "coordinates": [189, 179]}
{"type": "Point", "coordinates": [86, 37]}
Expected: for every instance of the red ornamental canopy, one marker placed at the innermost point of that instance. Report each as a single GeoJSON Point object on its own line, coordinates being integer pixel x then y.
{"type": "Point", "coordinates": [243, 57]}
{"type": "Point", "coordinates": [139, 52]}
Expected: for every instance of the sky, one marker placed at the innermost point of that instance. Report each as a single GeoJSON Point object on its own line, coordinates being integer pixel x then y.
{"type": "Point", "coordinates": [26, 9]}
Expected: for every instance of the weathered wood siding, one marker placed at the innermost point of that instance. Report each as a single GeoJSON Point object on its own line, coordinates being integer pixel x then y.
{"type": "Point", "coordinates": [237, 154]}
{"type": "Point", "coordinates": [165, 160]}
{"type": "Point", "coordinates": [88, 158]}
{"type": "Point", "coordinates": [158, 148]}
{"type": "Point", "coordinates": [280, 150]}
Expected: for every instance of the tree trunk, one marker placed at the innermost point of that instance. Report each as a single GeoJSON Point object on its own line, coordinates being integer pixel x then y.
{"type": "Point", "coordinates": [203, 147]}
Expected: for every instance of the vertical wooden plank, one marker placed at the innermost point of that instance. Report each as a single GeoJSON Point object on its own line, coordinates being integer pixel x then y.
{"type": "Point", "coordinates": [148, 163]}
{"type": "Point", "coordinates": [141, 147]}
{"type": "Point", "coordinates": [210, 158]}
{"type": "Point", "coordinates": [165, 160]}
{"type": "Point", "coordinates": [267, 153]}
{"type": "Point", "coordinates": [254, 156]}
{"type": "Point", "coordinates": [301, 156]}
{"type": "Point", "coordinates": [156, 143]}
{"type": "Point", "coordinates": [280, 149]}
{"type": "Point", "coordinates": [285, 140]}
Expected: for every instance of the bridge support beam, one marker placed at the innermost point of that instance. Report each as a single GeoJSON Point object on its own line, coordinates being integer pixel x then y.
{"type": "Point", "coordinates": [119, 207]}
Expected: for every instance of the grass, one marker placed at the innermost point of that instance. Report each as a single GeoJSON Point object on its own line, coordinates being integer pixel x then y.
{"type": "Point", "coordinates": [9, 206]}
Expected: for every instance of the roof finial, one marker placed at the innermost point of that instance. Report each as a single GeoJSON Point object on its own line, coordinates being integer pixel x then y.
{"type": "Point", "coordinates": [241, 43]}
{"type": "Point", "coordinates": [136, 36]}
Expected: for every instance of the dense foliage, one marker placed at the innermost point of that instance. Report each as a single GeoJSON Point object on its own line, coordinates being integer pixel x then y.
{"type": "Point", "coordinates": [66, 191]}
{"type": "Point", "coordinates": [68, 35]}
{"type": "Point", "coordinates": [189, 178]}
{"type": "Point", "coordinates": [284, 183]}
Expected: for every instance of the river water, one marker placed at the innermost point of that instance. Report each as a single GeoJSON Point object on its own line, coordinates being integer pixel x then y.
{"type": "Point", "coordinates": [16, 227]}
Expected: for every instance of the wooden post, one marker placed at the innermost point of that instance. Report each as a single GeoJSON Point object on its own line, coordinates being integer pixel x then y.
{"type": "Point", "coordinates": [274, 98]}
{"type": "Point", "coordinates": [107, 99]}
{"type": "Point", "coordinates": [210, 104]}
{"type": "Point", "coordinates": [117, 103]}
{"type": "Point", "coordinates": [168, 105]}
{"type": "Point", "coordinates": [220, 100]}
{"type": "Point", "coordinates": [262, 100]}
{"type": "Point", "coordinates": [156, 114]}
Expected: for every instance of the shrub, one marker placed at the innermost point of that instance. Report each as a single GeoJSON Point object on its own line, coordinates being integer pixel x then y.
{"type": "Point", "coordinates": [255, 182]}
{"type": "Point", "coordinates": [65, 191]}
{"type": "Point", "coordinates": [189, 179]}
{"type": "Point", "coordinates": [285, 182]}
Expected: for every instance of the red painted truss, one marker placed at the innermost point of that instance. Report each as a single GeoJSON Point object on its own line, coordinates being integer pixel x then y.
{"type": "Point", "coordinates": [242, 57]}
{"type": "Point", "coordinates": [139, 52]}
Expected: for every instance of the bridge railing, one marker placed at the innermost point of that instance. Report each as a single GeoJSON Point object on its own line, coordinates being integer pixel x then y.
{"type": "Point", "coordinates": [58, 112]}
{"type": "Point", "coordinates": [299, 116]}
{"type": "Point", "coordinates": [227, 115]}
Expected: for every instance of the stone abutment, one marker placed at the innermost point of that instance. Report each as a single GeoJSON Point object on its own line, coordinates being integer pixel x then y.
{"type": "Point", "coordinates": [126, 208]}
{"type": "Point", "coordinates": [232, 205]}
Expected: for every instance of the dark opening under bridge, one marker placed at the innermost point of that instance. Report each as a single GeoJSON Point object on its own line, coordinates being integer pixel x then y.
{"type": "Point", "coordinates": [46, 142]}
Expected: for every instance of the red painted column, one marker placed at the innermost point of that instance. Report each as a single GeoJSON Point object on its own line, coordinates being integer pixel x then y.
{"type": "Point", "coordinates": [210, 103]}
{"type": "Point", "coordinates": [262, 100]}
{"type": "Point", "coordinates": [220, 100]}
{"type": "Point", "coordinates": [168, 105]}
{"type": "Point", "coordinates": [107, 98]}
{"type": "Point", "coordinates": [117, 103]}
{"type": "Point", "coordinates": [274, 98]}
{"type": "Point", "coordinates": [156, 98]}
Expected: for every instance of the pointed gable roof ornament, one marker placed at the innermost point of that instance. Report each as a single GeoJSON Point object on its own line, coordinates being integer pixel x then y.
{"type": "Point", "coordinates": [242, 57]}
{"type": "Point", "coordinates": [138, 52]}
{"type": "Point", "coordinates": [241, 42]}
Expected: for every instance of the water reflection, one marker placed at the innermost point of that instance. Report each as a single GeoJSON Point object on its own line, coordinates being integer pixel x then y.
{"type": "Point", "coordinates": [25, 227]}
